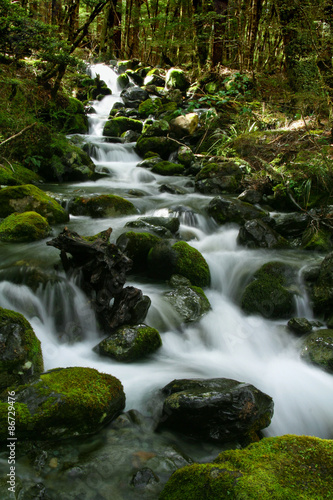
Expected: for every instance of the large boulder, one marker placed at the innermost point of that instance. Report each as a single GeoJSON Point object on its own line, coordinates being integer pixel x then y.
{"type": "Point", "coordinates": [24, 227]}
{"type": "Point", "coordinates": [20, 352]}
{"type": "Point", "coordinates": [17, 175]}
{"type": "Point", "coordinates": [271, 293]}
{"type": "Point", "coordinates": [257, 234]}
{"type": "Point", "coordinates": [189, 301]}
{"type": "Point", "coordinates": [130, 343]}
{"type": "Point", "coordinates": [105, 205]}
{"type": "Point", "coordinates": [219, 409]}
{"type": "Point", "coordinates": [284, 467]}
{"type": "Point", "coordinates": [162, 146]}
{"type": "Point", "coordinates": [170, 223]}
{"type": "Point", "coordinates": [28, 198]}
{"type": "Point", "coordinates": [216, 178]}
{"type": "Point", "coordinates": [167, 258]}
{"type": "Point", "coordinates": [184, 124]}
{"type": "Point", "coordinates": [133, 96]}
{"type": "Point", "coordinates": [120, 124]}
{"type": "Point", "coordinates": [64, 161]}
{"type": "Point", "coordinates": [137, 246]}
{"type": "Point", "coordinates": [64, 403]}
{"type": "Point", "coordinates": [168, 168]}
{"type": "Point", "coordinates": [224, 210]}
{"type": "Point", "coordinates": [156, 129]}
{"type": "Point", "coordinates": [176, 79]}
{"type": "Point", "coordinates": [317, 349]}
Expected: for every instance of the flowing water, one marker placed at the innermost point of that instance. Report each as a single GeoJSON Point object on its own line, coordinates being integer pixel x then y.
{"type": "Point", "coordinates": [225, 343]}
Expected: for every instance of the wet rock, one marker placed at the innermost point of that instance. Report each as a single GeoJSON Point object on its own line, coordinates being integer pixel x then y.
{"type": "Point", "coordinates": [218, 409]}
{"type": "Point", "coordinates": [58, 404]}
{"type": "Point", "coordinates": [300, 326]}
{"type": "Point", "coordinates": [105, 205]}
{"type": "Point", "coordinates": [150, 162]}
{"type": "Point", "coordinates": [160, 231]}
{"type": "Point", "coordinates": [144, 477]}
{"type": "Point", "coordinates": [184, 124]}
{"type": "Point", "coordinates": [224, 210]}
{"type": "Point", "coordinates": [167, 258]}
{"type": "Point", "coordinates": [21, 357]}
{"type": "Point", "coordinates": [168, 188]}
{"type": "Point", "coordinates": [123, 81]}
{"type": "Point", "coordinates": [130, 136]}
{"type": "Point", "coordinates": [322, 291]}
{"type": "Point", "coordinates": [137, 246]}
{"type": "Point", "coordinates": [271, 293]}
{"type": "Point", "coordinates": [162, 146]}
{"type": "Point", "coordinates": [156, 80]}
{"type": "Point", "coordinates": [283, 462]}
{"type": "Point", "coordinates": [250, 196]}
{"type": "Point", "coordinates": [149, 107]}
{"type": "Point", "coordinates": [135, 77]}
{"type": "Point", "coordinates": [130, 343]}
{"type": "Point", "coordinates": [156, 129]}
{"type": "Point", "coordinates": [168, 168]}
{"type": "Point", "coordinates": [29, 198]}
{"type": "Point", "coordinates": [319, 240]}
{"type": "Point", "coordinates": [216, 178]}
{"type": "Point", "coordinates": [24, 227]}
{"type": "Point", "coordinates": [116, 126]}
{"type": "Point", "coordinates": [256, 234]}
{"type": "Point", "coordinates": [190, 302]}
{"type": "Point", "coordinates": [133, 96]}
{"type": "Point", "coordinates": [291, 225]}
{"type": "Point", "coordinates": [317, 349]}
{"type": "Point", "coordinates": [185, 156]}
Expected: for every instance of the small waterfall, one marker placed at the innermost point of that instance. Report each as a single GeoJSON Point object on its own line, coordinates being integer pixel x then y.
{"type": "Point", "coordinates": [225, 343]}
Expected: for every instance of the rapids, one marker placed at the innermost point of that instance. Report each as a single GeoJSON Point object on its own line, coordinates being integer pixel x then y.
{"type": "Point", "coordinates": [225, 343]}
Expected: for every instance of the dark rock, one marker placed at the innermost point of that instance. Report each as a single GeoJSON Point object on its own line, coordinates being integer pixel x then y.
{"type": "Point", "coordinates": [291, 225]}
{"type": "Point", "coordinates": [133, 96]}
{"type": "Point", "coordinates": [163, 146]}
{"type": "Point", "coordinates": [105, 205]}
{"type": "Point", "coordinates": [143, 477]}
{"type": "Point", "coordinates": [219, 409]}
{"type": "Point", "coordinates": [216, 178]}
{"type": "Point", "coordinates": [317, 349]}
{"type": "Point", "coordinates": [168, 188]}
{"type": "Point", "coordinates": [300, 326]}
{"type": "Point", "coordinates": [224, 210]}
{"type": "Point", "coordinates": [322, 291]}
{"type": "Point", "coordinates": [190, 302]}
{"type": "Point", "coordinates": [137, 246]}
{"type": "Point", "coordinates": [119, 124]}
{"type": "Point", "coordinates": [250, 196]}
{"type": "Point", "coordinates": [256, 234]}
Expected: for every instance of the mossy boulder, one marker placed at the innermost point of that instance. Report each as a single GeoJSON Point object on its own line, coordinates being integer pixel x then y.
{"type": "Point", "coordinates": [322, 291]}
{"type": "Point", "coordinates": [168, 168]}
{"type": "Point", "coordinates": [65, 161]}
{"type": "Point", "coordinates": [133, 96]}
{"type": "Point", "coordinates": [167, 258]}
{"type": "Point", "coordinates": [218, 409]}
{"type": "Point", "coordinates": [130, 343]}
{"type": "Point", "coordinates": [185, 156]}
{"type": "Point", "coordinates": [176, 79]}
{"type": "Point", "coordinates": [137, 246]}
{"type": "Point", "coordinates": [225, 210]}
{"type": "Point", "coordinates": [190, 302]}
{"type": "Point", "coordinates": [284, 467]}
{"type": "Point", "coordinates": [216, 178]}
{"type": "Point", "coordinates": [123, 81]}
{"type": "Point", "coordinates": [119, 125]}
{"type": "Point", "coordinates": [171, 224]}
{"type": "Point", "coordinates": [319, 240]}
{"type": "Point", "coordinates": [24, 227]}
{"type": "Point", "coordinates": [105, 205]}
{"type": "Point", "coordinates": [20, 351]}
{"type": "Point", "coordinates": [29, 198]}
{"type": "Point", "coordinates": [271, 293]}
{"type": "Point", "coordinates": [66, 115]}
{"type": "Point", "coordinates": [162, 146]}
{"type": "Point", "coordinates": [156, 129]}
{"type": "Point", "coordinates": [149, 107]}
{"type": "Point", "coordinates": [16, 174]}
{"type": "Point", "coordinates": [64, 403]}
{"type": "Point", "coordinates": [317, 349]}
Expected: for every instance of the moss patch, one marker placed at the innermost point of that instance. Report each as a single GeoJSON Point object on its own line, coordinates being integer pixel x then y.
{"type": "Point", "coordinates": [105, 205]}
{"type": "Point", "coordinates": [168, 168]}
{"type": "Point", "coordinates": [28, 226]}
{"type": "Point", "coordinates": [191, 264]}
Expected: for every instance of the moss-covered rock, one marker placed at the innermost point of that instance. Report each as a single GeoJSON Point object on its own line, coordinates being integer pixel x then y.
{"type": "Point", "coordinates": [270, 294]}
{"type": "Point", "coordinates": [162, 146]}
{"type": "Point", "coordinates": [16, 174]}
{"type": "Point", "coordinates": [130, 343]}
{"type": "Point", "coordinates": [322, 291]}
{"type": "Point", "coordinates": [218, 409]}
{"type": "Point", "coordinates": [63, 403]}
{"type": "Point", "coordinates": [133, 96]}
{"type": "Point", "coordinates": [66, 114]}
{"type": "Point", "coordinates": [120, 124]}
{"type": "Point", "coordinates": [170, 223]}
{"type": "Point", "coordinates": [20, 351]}
{"type": "Point", "coordinates": [285, 467]}
{"type": "Point", "coordinates": [105, 205]}
{"type": "Point", "coordinates": [176, 79]}
{"type": "Point", "coordinates": [137, 246]}
{"type": "Point", "coordinates": [318, 240]}
{"type": "Point", "coordinates": [149, 107]}
{"type": "Point", "coordinates": [190, 302]}
{"type": "Point", "coordinates": [166, 259]}
{"type": "Point", "coordinates": [216, 178]}
{"type": "Point", "coordinates": [168, 168]}
{"type": "Point", "coordinates": [24, 227]}
{"type": "Point", "coordinates": [123, 81]}
{"type": "Point", "coordinates": [29, 198]}
{"type": "Point", "coordinates": [158, 128]}
{"type": "Point", "coordinates": [65, 161]}
{"type": "Point", "coordinates": [224, 210]}
{"type": "Point", "coordinates": [317, 348]}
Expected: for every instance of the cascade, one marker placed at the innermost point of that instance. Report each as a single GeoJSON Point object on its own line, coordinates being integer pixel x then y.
{"type": "Point", "coordinates": [225, 343]}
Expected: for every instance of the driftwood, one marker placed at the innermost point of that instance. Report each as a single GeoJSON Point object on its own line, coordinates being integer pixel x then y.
{"type": "Point", "coordinates": [102, 268]}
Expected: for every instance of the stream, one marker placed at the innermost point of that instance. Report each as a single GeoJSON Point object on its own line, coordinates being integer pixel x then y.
{"type": "Point", "coordinates": [224, 343]}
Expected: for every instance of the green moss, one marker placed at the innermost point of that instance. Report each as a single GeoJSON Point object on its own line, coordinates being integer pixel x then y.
{"type": "Point", "coordinates": [280, 468]}
{"type": "Point", "coordinates": [317, 240]}
{"type": "Point", "coordinates": [120, 124]}
{"type": "Point", "coordinates": [149, 107]}
{"type": "Point", "coordinates": [137, 247]}
{"type": "Point", "coordinates": [163, 146]}
{"type": "Point", "coordinates": [318, 349]}
{"type": "Point", "coordinates": [30, 198]}
{"type": "Point", "coordinates": [205, 304]}
{"type": "Point", "coordinates": [168, 168]}
{"type": "Point", "coordinates": [28, 226]}
{"type": "Point", "coordinates": [17, 175]}
{"type": "Point", "coordinates": [105, 205]}
{"type": "Point", "coordinates": [66, 402]}
{"type": "Point", "coordinates": [191, 264]}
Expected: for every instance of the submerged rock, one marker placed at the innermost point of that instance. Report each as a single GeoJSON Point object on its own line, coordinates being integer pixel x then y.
{"type": "Point", "coordinates": [130, 343]}
{"type": "Point", "coordinates": [20, 351]}
{"type": "Point", "coordinates": [63, 403]}
{"type": "Point", "coordinates": [318, 349]}
{"type": "Point", "coordinates": [285, 467]}
{"type": "Point", "coordinates": [24, 227]}
{"type": "Point", "coordinates": [270, 294]}
{"type": "Point", "coordinates": [29, 198]}
{"type": "Point", "coordinates": [219, 409]}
